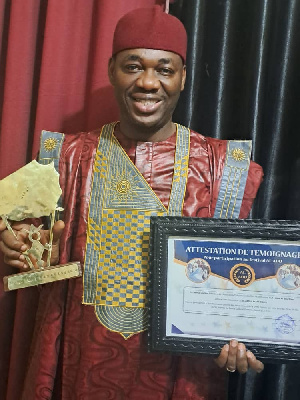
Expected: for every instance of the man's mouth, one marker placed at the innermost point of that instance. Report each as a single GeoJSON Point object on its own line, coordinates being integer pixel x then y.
{"type": "Point", "coordinates": [146, 105]}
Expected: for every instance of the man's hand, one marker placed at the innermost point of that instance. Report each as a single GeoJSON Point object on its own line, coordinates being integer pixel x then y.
{"type": "Point", "coordinates": [235, 357]}
{"type": "Point", "coordinates": [13, 247]}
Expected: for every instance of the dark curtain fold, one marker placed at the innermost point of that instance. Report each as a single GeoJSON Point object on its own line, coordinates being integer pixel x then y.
{"type": "Point", "coordinates": [243, 83]}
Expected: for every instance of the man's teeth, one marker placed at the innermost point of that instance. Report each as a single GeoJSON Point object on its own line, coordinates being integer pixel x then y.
{"type": "Point", "coordinates": [146, 102]}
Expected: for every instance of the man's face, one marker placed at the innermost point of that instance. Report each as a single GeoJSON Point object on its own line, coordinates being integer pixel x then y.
{"type": "Point", "coordinates": [147, 86]}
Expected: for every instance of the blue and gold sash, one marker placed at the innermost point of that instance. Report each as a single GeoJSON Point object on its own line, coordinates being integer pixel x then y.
{"type": "Point", "coordinates": [234, 179]}
{"type": "Point", "coordinates": [50, 149]}
{"type": "Point", "coordinates": [117, 250]}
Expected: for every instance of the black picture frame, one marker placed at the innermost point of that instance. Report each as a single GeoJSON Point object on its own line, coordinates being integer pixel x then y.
{"type": "Point", "coordinates": [163, 228]}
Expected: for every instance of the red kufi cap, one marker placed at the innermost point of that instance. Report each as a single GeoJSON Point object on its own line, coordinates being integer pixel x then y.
{"type": "Point", "coordinates": [150, 28]}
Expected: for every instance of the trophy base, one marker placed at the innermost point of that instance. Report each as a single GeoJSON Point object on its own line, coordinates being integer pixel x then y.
{"type": "Point", "coordinates": [41, 276]}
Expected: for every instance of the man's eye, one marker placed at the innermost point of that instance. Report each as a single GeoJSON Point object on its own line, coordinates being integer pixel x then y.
{"type": "Point", "coordinates": [166, 71]}
{"type": "Point", "coordinates": [132, 68]}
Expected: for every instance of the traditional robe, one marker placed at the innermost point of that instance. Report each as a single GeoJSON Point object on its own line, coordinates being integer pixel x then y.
{"type": "Point", "coordinates": [73, 356]}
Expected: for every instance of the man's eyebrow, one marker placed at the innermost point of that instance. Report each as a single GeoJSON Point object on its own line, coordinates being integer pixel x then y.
{"type": "Point", "coordinates": [165, 60]}
{"type": "Point", "coordinates": [132, 57]}
{"type": "Point", "coordinates": [135, 57]}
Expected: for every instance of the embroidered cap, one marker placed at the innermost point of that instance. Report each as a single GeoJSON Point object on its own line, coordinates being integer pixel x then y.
{"type": "Point", "coordinates": [150, 28]}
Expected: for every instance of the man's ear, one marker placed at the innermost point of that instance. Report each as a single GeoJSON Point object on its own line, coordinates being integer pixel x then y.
{"type": "Point", "coordinates": [183, 77]}
{"type": "Point", "coordinates": [111, 69]}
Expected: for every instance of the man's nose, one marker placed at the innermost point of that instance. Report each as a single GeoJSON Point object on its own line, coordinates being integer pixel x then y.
{"type": "Point", "coordinates": [148, 80]}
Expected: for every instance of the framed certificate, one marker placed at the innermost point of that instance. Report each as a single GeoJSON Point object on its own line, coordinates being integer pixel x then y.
{"type": "Point", "coordinates": [214, 280]}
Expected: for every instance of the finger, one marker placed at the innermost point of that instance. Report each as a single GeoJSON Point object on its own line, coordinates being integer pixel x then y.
{"type": "Point", "coordinates": [253, 363]}
{"type": "Point", "coordinates": [12, 257]}
{"type": "Point", "coordinates": [13, 250]}
{"type": "Point", "coordinates": [15, 225]}
{"type": "Point", "coordinates": [2, 225]}
{"type": "Point", "coordinates": [14, 261]}
{"type": "Point", "coordinates": [58, 228]}
{"type": "Point", "coordinates": [241, 359]}
{"type": "Point", "coordinates": [10, 242]}
{"type": "Point", "coordinates": [31, 261]}
{"type": "Point", "coordinates": [20, 228]}
{"type": "Point", "coordinates": [222, 359]}
{"type": "Point", "coordinates": [232, 354]}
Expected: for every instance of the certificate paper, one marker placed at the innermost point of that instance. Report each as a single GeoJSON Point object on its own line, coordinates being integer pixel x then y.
{"type": "Point", "coordinates": [212, 280]}
{"type": "Point", "coordinates": [243, 289]}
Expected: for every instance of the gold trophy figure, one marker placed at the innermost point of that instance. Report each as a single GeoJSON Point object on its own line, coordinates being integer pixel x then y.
{"type": "Point", "coordinates": [33, 192]}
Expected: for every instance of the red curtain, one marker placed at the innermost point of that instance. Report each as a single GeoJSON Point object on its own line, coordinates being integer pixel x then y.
{"type": "Point", "coordinates": [53, 76]}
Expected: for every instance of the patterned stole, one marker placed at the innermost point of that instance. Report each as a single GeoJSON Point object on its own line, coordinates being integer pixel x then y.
{"type": "Point", "coordinates": [234, 179]}
{"type": "Point", "coordinates": [50, 149]}
{"type": "Point", "coordinates": [117, 249]}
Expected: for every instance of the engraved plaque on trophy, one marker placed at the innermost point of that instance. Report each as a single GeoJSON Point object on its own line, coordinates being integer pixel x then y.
{"type": "Point", "coordinates": [29, 193]}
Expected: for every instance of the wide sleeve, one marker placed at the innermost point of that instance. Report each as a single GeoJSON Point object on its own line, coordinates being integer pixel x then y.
{"type": "Point", "coordinates": [254, 179]}
{"type": "Point", "coordinates": [75, 168]}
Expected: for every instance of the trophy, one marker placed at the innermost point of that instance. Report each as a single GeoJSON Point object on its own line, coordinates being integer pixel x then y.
{"type": "Point", "coordinates": [29, 193]}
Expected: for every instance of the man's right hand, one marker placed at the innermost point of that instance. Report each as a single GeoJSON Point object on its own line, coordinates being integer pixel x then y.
{"type": "Point", "coordinates": [12, 248]}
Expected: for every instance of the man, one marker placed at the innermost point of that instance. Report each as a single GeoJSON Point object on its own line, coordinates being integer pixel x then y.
{"type": "Point", "coordinates": [113, 180]}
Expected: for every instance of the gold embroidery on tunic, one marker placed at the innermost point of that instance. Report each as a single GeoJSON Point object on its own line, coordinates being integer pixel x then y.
{"type": "Point", "coordinates": [117, 252]}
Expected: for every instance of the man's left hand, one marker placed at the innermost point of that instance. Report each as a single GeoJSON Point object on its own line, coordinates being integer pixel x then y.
{"type": "Point", "coordinates": [235, 357]}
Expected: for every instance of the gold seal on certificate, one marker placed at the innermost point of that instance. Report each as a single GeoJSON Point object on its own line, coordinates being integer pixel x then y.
{"type": "Point", "coordinates": [33, 192]}
{"type": "Point", "coordinates": [242, 275]}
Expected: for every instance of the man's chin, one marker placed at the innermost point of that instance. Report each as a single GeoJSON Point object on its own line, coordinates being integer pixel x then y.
{"type": "Point", "coordinates": [148, 122]}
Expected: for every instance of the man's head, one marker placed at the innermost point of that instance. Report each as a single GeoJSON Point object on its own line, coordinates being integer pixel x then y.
{"type": "Point", "coordinates": [147, 68]}
{"type": "Point", "coordinates": [150, 28]}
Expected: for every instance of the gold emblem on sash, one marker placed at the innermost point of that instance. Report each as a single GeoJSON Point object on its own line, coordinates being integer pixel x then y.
{"type": "Point", "coordinates": [50, 144]}
{"type": "Point", "coordinates": [238, 154]}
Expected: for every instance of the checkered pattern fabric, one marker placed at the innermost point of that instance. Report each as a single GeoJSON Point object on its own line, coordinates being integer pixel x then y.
{"type": "Point", "coordinates": [124, 258]}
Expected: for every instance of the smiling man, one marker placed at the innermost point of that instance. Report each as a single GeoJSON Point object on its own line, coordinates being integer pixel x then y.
{"type": "Point", "coordinates": [90, 341]}
{"type": "Point", "coordinates": [147, 86]}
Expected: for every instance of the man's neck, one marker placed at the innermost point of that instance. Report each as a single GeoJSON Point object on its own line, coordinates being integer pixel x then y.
{"type": "Point", "coordinates": [147, 135]}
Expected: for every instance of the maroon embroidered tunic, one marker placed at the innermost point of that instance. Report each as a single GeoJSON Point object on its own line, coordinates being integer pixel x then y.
{"type": "Point", "coordinates": [73, 355]}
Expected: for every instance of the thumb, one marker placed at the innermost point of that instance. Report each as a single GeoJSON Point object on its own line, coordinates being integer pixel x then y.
{"type": "Point", "coordinates": [58, 228]}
